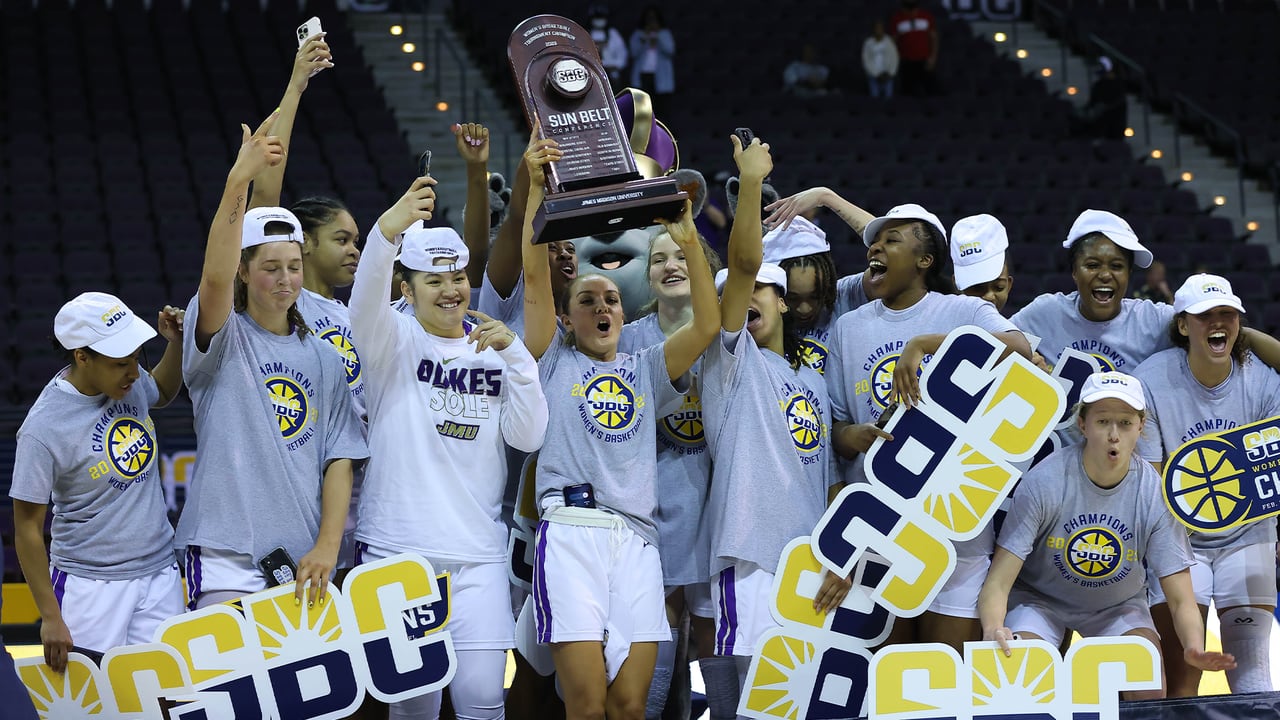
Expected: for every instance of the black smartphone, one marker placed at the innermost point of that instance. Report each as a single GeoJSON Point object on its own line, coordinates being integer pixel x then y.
{"type": "Point", "coordinates": [582, 495]}
{"type": "Point", "coordinates": [278, 567]}
{"type": "Point", "coordinates": [745, 136]}
{"type": "Point", "coordinates": [424, 163]}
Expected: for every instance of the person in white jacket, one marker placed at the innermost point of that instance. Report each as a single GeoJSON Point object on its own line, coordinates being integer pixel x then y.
{"type": "Point", "coordinates": [880, 62]}
{"type": "Point", "coordinates": [443, 394]}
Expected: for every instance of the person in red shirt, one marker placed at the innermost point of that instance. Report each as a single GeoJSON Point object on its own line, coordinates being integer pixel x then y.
{"type": "Point", "coordinates": [916, 33]}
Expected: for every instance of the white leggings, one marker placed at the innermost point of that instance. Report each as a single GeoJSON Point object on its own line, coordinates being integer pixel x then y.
{"type": "Point", "coordinates": [476, 690]}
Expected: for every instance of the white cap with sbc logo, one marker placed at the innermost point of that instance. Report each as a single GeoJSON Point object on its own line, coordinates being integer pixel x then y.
{"type": "Point", "coordinates": [1100, 386]}
{"type": "Point", "coordinates": [768, 274]}
{"type": "Point", "coordinates": [899, 214]}
{"type": "Point", "coordinates": [255, 227]}
{"type": "Point", "coordinates": [978, 245]}
{"type": "Point", "coordinates": [1203, 292]}
{"type": "Point", "coordinates": [102, 323]}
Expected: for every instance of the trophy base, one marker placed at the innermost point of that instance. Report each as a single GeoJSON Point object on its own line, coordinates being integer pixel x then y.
{"type": "Point", "coordinates": [613, 208]}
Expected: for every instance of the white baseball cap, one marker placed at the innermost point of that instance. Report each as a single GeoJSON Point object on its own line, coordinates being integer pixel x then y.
{"type": "Point", "coordinates": [1116, 385]}
{"type": "Point", "coordinates": [1116, 230]}
{"type": "Point", "coordinates": [798, 239]}
{"type": "Point", "coordinates": [897, 214]}
{"type": "Point", "coordinates": [769, 274]}
{"type": "Point", "coordinates": [1204, 292]}
{"type": "Point", "coordinates": [433, 249]}
{"type": "Point", "coordinates": [978, 245]}
{"type": "Point", "coordinates": [102, 323]}
{"type": "Point", "coordinates": [255, 226]}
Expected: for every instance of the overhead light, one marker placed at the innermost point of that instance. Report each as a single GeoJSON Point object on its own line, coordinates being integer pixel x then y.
{"type": "Point", "coordinates": [1252, 226]}
{"type": "Point", "coordinates": [1022, 54]}
{"type": "Point", "coordinates": [1046, 72]}
{"type": "Point", "coordinates": [1187, 176]}
{"type": "Point", "coordinates": [1219, 200]}
{"type": "Point", "coordinates": [397, 30]}
{"type": "Point", "coordinates": [1072, 90]}
{"type": "Point", "coordinates": [999, 37]}
{"type": "Point", "coordinates": [1128, 132]}
{"type": "Point", "coordinates": [442, 106]}
{"type": "Point", "coordinates": [419, 66]}
{"type": "Point", "coordinates": [408, 47]}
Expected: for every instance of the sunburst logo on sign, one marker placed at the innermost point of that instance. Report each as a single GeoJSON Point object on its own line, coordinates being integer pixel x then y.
{"type": "Point", "coordinates": [288, 630]}
{"type": "Point", "coordinates": [130, 446]}
{"type": "Point", "coordinates": [785, 665]}
{"type": "Point", "coordinates": [1025, 679]}
{"type": "Point", "coordinates": [73, 694]}
{"type": "Point", "coordinates": [977, 487]}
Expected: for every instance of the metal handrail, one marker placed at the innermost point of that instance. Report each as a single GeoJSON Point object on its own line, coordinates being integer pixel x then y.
{"type": "Point", "coordinates": [473, 103]}
{"type": "Point", "coordinates": [442, 41]}
{"type": "Point", "coordinates": [1064, 29]}
{"type": "Point", "coordinates": [1195, 113]}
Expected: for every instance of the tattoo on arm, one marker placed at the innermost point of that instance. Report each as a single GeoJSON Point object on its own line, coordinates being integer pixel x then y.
{"type": "Point", "coordinates": [235, 211]}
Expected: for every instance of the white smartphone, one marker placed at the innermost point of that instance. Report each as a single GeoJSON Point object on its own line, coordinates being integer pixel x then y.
{"type": "Point", "coordinates": [308, 29]}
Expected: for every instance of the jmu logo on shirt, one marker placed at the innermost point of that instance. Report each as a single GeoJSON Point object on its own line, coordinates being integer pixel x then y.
{"type": "Point", "coordinates": [814, 354]}
{"type": "Point", "coordinates": [340, 341]}
{"type": "Point", "coordinates": [292, 407]}
{"type": "Point", "coordinates": [684, 426]}
{"type": "Point", "coordinates": [611, 402]}
{"type": "Point", "coordinates": [130, 446]}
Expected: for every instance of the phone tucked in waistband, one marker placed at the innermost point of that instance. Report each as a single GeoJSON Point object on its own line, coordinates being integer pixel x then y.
{"type": "Point", "coordinates": [581, 495]}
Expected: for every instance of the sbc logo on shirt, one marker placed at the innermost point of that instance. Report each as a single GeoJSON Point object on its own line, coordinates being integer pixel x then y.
{"type": "Point", "coordinates": [130, 446]}
{"type": "Point", "coordinates": [290, 404]}
{"type": "Point", "coordinates": [1093, 553]}
{"type": "Point", "coordinates": [611, 402]}
{"type": "Point", "coordinates": [346, 351]}
{"type": "Point", "coordinates": [882, 380]}
{"type": "Point", "coordinates": [685, 425]}
{"type": "Point", "coordinates": [814, 354]}
{"type": "Point", "coordinates": [803, 423]}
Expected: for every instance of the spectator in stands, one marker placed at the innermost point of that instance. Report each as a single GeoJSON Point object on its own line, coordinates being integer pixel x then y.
{"type": "Point", "coordinates": [1155, 286]}
{"type": "Point", "coordinates": [916, 32]}
{"type": "Point", "coordinates": [653, 50]}
{"type": "Point", "coordinates": [1106, 114]}
{"type": "Point", "coordinates": [277, 433]}
{"type": "Point", "coordinates": [806, 77]}
{"type": "Point", "coordinates": [880, 62]}
{"type": "Point", "coordinates": [610, 43]}
{"type": "Point", "coordinates": [109, 576]}
{"type": "Point", "coordinates": [1037, 588]}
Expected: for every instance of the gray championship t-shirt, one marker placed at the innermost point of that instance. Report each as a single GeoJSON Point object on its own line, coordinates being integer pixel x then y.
{"type": "Point", "coordinates": [330, 321]}
{"type": "Point", "coordinates": [1138, 332]}
{"type": "Point", "coordinates": [1180, 409]}
{"type": "Point", "coordinates": [96, 459]}
{"type": "Point", "coordinates": [768, 428]}
{"type": "Point", "coordinates": [1084, 547]}
{"type": "Point", "coordinates": [271, 412]}
{"type": "Point", "coordinates": [602, 430]}
{"type": "Point", "coordinates": [684, 472]}
{"type": "Point", "coordinates": [509, 309]}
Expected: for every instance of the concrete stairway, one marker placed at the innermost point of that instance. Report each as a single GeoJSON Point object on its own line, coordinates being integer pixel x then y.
{"type": "Point", "coordinates": [427, 102]}
{"type": "Point", "coordinates": [1155, 137]}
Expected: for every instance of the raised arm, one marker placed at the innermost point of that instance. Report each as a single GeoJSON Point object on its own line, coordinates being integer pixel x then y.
{"type": "Point", "coordinates": [746, 249]}
{"type": "Point", "coordinates": [539, 300]}
{"type": "Point", "coordinates": [784, 210]}
{"type": "Point", "coordinates": [505, 255]}
{"type": "Point", "coordinates": [258, 151]}
{"type": "Point", "coordinates": [168, 372]}
{"type": "Point", "coordinates": [311, 58]}
{"type": "Point", "coordinates": [472, 140]}
{"type": "Point", "coordinates": [687, 344]}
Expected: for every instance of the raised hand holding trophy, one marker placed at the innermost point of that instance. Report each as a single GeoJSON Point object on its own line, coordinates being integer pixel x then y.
{"type": "Point", "coordinates": [595, 188]}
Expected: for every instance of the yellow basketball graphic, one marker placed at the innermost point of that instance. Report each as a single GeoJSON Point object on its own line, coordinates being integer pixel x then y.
{"type": "Point", "coordinates": [804, 423]}
{"type": "Point", "coordinates": [611, 402]}
{"type": "Point", "coordinates": [685, 424]}
{"type": "Point", "coordinates": [1203, 486]}
{"type": "Point", "coordinates": [290, 404]}
{"type": "Point", "coordinates": [1093, 553]}
{"type": "Point", "coordinates": [1103, 362]}
{"type": "Point", "coordinates": [882, 381]}
{"type": "Point", "coordinates": [131, 447]}
{"type": "Point", "coordinates": [346, 351]}
{"type": "Point", "coordinates": [814, 354]}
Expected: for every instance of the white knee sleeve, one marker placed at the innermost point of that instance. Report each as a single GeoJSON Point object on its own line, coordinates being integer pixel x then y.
{"type": "Point", "coordinates": [1246, 633]}
{"type": "Point", "coordinates": [423, 707]}
{"type": "Point", "coordinates": [476, 688]}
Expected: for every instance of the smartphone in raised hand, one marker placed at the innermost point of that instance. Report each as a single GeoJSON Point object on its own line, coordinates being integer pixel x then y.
{"type": "Point", "coordinates": [745, 136]}
{"type": "Point", "coordinates": [424, 169]}
{"type": "Point", "coordinates": [308, 29]}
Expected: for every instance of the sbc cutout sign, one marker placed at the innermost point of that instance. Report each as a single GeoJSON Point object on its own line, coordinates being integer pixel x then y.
{"type": "Point", "coordinates": [954, 459]}
{"type": "Point", "coordinates": [386, 637]}
{"type": "Point", "coordinates": [1223, 480]}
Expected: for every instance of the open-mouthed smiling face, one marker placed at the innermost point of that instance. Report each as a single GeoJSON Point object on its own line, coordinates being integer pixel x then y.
{"type": "Point", "coordinates": [594, 316]}
{"type": "Point", "coordinates": [1101, 271]}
